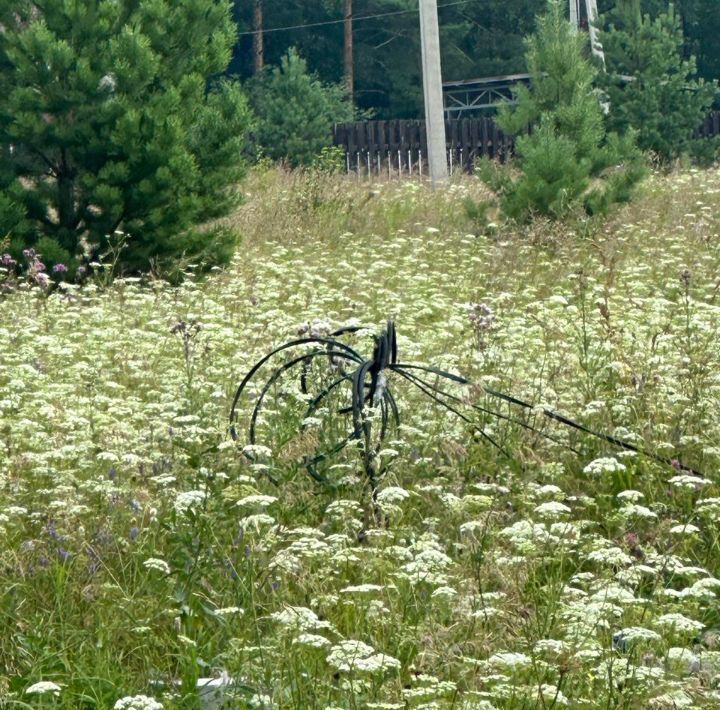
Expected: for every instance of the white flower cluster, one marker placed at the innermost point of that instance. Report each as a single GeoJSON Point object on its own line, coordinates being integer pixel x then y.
{"type": "Point", "coordinates": [356, 656]}
{"type": "Point", "coordinates": [137, 702]}
{"type": "Point", "coordinates": [605, 464]}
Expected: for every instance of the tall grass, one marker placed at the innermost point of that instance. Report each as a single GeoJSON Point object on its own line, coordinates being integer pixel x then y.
{"type": "Point", "coordinates": [140, 552]}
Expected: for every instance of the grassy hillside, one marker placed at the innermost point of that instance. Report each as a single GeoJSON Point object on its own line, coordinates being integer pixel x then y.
{"type": "Point", "coordinates": [139, 550]}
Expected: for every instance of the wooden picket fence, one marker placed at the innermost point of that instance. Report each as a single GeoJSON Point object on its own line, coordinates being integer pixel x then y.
{"type": "Point", "coordinates": [397, 148]}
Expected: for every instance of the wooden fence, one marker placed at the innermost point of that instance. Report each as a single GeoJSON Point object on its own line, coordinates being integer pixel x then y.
{"type": "Point", "coordinates": [710, 126]}
{"type": "Point", "coordinates": [396, 148]}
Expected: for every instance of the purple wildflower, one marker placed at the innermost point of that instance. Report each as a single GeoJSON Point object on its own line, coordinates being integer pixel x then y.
{"type": "Point", "coordinates": [7, 260]}
{"type": "Point", "coordinates": [59, 269]}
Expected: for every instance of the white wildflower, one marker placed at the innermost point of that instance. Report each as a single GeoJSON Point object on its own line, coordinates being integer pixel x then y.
{"type": "Point", "coordinates": [607, 464]}
{"type": "Point", "coordinates": [552, 509]}
{"type": "Point", "coordinates": [679, 623]}
{"type": "Point", "coordinates": [299, 618]}
{"type": "Point", "coordinates": [392, 495]}
{"type": "Point", "coordinates": [509, 660]}
{"type": "Point", "coordinates": [43, 687]}
{"type": "Point", "coordinates": [259, 501]}
{"type": "Point", "coordinates": [358, 656]}
{"type": "Point", "coordinates": [685, 480]}
{"type": "Point", "coordinates": [137, 702]}
{"type": "Point", "coordinates": [157, 564]}
{"type": "Point", "coordinates": [630, 495]}
{"type": "Point", "coordinates": [188, 501]}
{"type": "Point", "coordinates": [312, 640]}
{"type": "Point", "coordinates": [686, 529]}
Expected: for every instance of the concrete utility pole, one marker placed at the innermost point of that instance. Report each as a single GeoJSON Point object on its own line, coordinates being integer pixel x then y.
{"type": "Point", "coordinates": [575, 13]}
{"type": "Point", "coordinates": [348, 49]}
{"type": "Point", "coordinates": [432, 90]}
{"type": "Point", "coordinates": [595, 46]}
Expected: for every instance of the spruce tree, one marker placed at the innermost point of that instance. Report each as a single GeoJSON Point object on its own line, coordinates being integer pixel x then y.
{"type": "Point", "coordinates": [107, 122]}
{"type": "Point", "coordinates": [295, 111]}
{"type": "Point", "coordinates": [650, 86]}
{"type": "Point", "coordinates": [566, 157]}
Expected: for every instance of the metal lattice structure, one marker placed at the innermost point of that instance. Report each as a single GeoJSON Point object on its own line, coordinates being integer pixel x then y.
{"type": "Point", "coordinates": [462, 97]}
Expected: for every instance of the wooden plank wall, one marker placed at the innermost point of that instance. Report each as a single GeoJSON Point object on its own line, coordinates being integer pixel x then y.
{"type": "Point", "coordinates": [399, 147]}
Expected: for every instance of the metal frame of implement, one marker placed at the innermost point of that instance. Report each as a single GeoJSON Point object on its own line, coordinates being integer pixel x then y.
{"type": "Point", "coordinates": [370, 387]}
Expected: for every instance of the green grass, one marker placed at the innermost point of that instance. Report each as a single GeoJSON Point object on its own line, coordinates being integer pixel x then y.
{"type": "Point", "coordinates": [501, 582]}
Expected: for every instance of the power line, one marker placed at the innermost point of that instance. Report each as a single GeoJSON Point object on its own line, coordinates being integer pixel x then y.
{"type": "Point", "coordinates": [337, 22]}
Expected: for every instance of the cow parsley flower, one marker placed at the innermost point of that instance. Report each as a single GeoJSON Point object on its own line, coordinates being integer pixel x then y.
{"type": "Point", "coordinates": [631, 634]}
{"type": "Point", "coordinates": [630, 495]}
{"type": "Point", "coordinates": [137, 702]}
{"type": "Point", "coordinates": [392, 495]}
{"type": "Point", "coordinates": [43, 687]}
{"type": "Point", "coordinates": [258, 501]}
{"type": "Point", "coordinates": [509, 660]}
{"type": "Point", "coordinates": [157, 564]}
{"type": "Point", "coordinates": [607, 464]}
{"type": "Point", "coordinates": [188, 501]}
{"type": "Point", "coordinates": [312, 640]}
{"type": "Point", "coordinates": [686, 529]}
{"type": "Point", "coordinates": [552, 509]}
{"type": "Point", "coordinates": [679, 623]}
{"type": "Point", "coordinates": [686, 481]}
{"type": "Point", "coordinates": [299, 618]}
{"type": "Point", "coordinates": [357, 656]}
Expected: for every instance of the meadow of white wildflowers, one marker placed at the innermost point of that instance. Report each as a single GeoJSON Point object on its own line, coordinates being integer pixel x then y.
{"type": "Point", "coordinates": [141, 552]}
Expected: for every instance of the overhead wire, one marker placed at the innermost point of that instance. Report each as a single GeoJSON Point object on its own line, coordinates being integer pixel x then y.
{"type": "Point", "coordinates": [341, 21]}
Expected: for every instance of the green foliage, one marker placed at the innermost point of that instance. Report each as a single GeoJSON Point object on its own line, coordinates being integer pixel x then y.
{"type": "Point", "coordinates": [567, 149]}
{"type": "Point", "coordinates": [478, 38]}
{"type": "Point", "coordinates": [141, 551]}
{"type": "Point", "coordinates": [106, 107]}
{"type": "Point", "coordinates": [662, 101]}
{"type": "Point", "coordinates": [295, 111]}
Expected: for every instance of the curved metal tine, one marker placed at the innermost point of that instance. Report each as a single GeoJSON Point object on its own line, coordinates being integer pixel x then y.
{"type": "Point", "coordinates": [392, 338]}
{"type": "Point", "coordinates": [350, 352]}
{"type": "Point", "coordinates": [358, 382]}
{"type": "Point", "coordinates": [393, 406]}
{"type": "Point", "coordinates": [277, 374]}
{"type": "Point", "coordinates": [347, 329]}
{"type": "Point", "coordinates": [304, 374]}
{"type": "Point", "coordinates": [311, 463]}
{"type": "Point", "coordinates": [621, 443]}
{"type": "Point", "coordinates": [498, 415]}
{"type": "Point", "coordinates": [430, 394]}
{"type": "Point", "coordinates": [447, 375]}
{"type": "Point", "coordinates": [383, 419]}
{"type": "Point", "coordinates": [314, 403]}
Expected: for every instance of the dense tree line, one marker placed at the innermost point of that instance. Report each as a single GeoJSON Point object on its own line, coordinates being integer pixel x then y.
{"type": "Point", "coordinates": [479, 38]}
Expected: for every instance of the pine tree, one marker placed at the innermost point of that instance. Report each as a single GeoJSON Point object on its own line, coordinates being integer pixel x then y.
{"type": "Point", "coordinates": [661, 100]}
{"type": "Point", "coordinates": [567, 155]}
{"type": "Point", "coordinates": [295, 111]}
{"type": "Point", "coordinates": [107, 124]}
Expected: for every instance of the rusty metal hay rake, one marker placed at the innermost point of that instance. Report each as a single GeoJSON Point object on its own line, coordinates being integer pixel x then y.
{"type": "Point", "coordinates": [370, 390]}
